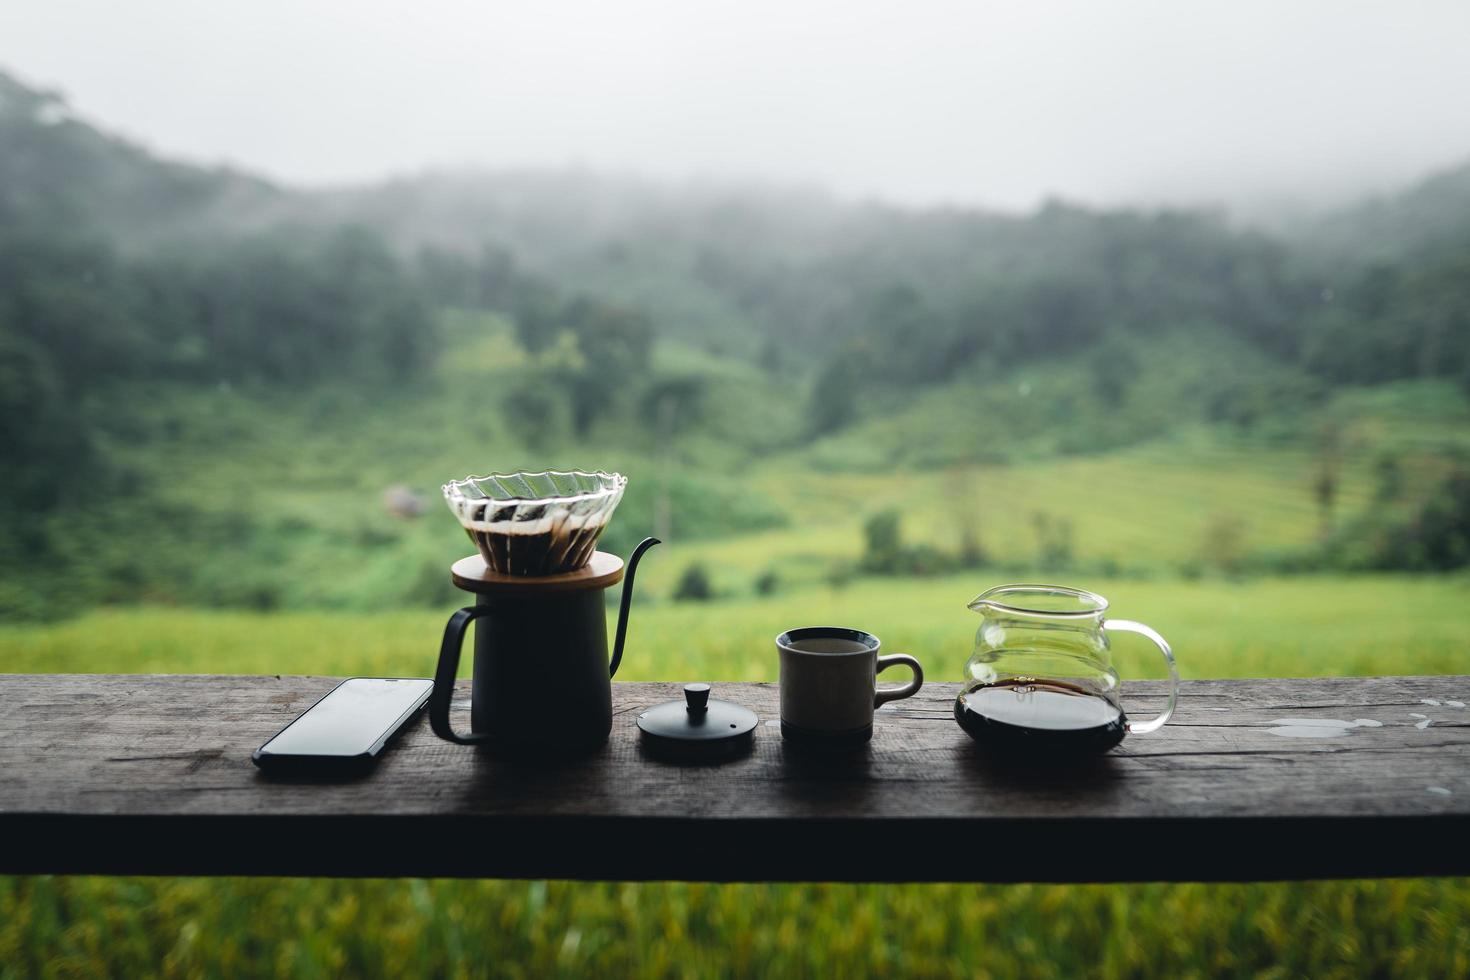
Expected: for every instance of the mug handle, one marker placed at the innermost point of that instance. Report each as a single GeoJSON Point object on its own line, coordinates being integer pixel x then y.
{"type": "Point", "coordinates": [883, 695]}
{"type": "Point", "coordinates": [444, 676]}
{"type": "Point", "coordinates": [1129, 626]}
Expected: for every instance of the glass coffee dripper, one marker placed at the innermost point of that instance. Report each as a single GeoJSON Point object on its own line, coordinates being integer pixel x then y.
{"type": "Point", "coordinates": [1041, 678]}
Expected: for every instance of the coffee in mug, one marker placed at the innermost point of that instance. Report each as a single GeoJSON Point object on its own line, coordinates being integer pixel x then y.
{"type": "Point", "coordinates": [829, 683]}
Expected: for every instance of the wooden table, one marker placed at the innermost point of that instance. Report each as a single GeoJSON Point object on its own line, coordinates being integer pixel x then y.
{"type": "Point", "coordinates": [152, 775]}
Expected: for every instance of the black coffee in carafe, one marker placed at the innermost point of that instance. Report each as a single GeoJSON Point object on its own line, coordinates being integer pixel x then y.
{"type": "Point", "coordinates": [1040, 717]}
{"type": "Point", "coordinates": [1041, 678]}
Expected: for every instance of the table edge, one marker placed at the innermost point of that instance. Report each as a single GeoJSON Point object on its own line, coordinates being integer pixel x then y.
{"type": "Point", "coordinates": [1092, 849]}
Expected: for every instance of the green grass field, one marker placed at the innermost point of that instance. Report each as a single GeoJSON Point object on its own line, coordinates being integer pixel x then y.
{"type": "Point", "coordinates": [231, 517]}
{"type": "Point", "coordinates": [1276, 627]}
{"type": "Point", "coordinates": [224, 927]}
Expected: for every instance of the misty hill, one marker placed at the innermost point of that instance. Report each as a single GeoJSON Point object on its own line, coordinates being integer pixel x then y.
{"type": "Point", "coordinates": [57, 169]}
{"type": "Point", "coordinates": [733, 267]}
{"type": "Point", "coordinates": [803, 282]}
{"type": "Point", "coordinates": [1432, 217]}
{"type": "Point", "coordinates": [790, 276]}
{"type": "Point", "coordinates": [156, 316]}
{"type": "Point", "coordinates": [207, 274]}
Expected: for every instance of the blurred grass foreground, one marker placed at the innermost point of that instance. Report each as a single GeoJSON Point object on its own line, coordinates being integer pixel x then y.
{"type": "Point", "coordinates": [85, 927]}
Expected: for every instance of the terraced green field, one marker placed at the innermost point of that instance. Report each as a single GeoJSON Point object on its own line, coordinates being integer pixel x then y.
{"type": "Point", "coordinates": [306, 528]}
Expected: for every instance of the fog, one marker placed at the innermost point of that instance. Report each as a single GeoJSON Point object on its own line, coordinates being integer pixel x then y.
{"type": "Point", "coordinates": [1235, 103]}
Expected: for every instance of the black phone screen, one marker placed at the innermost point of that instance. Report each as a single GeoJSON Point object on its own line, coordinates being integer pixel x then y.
{"type": "Point", "coordinates": [353, 719]}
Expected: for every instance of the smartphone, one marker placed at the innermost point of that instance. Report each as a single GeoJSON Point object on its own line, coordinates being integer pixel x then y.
{"type": "Point", "coordinates": [346, 731]}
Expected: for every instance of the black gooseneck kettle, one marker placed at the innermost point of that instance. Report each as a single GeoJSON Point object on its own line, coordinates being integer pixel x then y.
{"type": "Point", "coordinates": [542, 680]}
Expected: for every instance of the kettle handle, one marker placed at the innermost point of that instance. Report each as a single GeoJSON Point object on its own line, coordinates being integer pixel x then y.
{"type": "Point", "coordinates": [444, 676]}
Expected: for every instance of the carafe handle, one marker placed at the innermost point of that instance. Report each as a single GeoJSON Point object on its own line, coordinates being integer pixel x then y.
{"type": "Point", "coordinates": [1129, 626]}
{"type": "Point", "coordinates": [444, 675]}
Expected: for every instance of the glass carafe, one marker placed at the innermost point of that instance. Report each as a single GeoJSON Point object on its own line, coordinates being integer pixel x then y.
{"type": "Point", "coordinates": [1041, 676]}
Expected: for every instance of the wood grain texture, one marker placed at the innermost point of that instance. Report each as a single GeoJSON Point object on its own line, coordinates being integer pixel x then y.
{"type": "Point", "coordinates": [473, 575]}
{"type": "Point", "coordinates": [152, 775]}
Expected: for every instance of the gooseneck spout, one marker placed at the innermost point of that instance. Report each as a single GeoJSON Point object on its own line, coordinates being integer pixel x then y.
{"type": "Point", "coordinates": [617, 656]}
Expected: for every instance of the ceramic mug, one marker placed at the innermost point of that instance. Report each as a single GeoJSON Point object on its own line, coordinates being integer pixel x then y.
{"type": "Point", "coordinates": [829, 683]}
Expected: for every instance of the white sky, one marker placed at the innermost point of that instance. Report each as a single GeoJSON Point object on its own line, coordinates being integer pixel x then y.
{"type": "Point", "coordinates": [919, 101]}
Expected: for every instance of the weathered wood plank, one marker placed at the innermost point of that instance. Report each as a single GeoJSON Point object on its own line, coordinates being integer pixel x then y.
{"type": "Point", "coordinates": [148, 774]}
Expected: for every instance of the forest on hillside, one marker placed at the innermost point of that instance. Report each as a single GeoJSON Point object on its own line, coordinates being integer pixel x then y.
{"type": "Point", "coordinates": [126, 281]}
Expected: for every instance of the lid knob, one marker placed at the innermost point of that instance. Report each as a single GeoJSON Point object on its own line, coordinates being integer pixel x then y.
{"type": "Point", "coordinates": [696, 698]}
{"type": "Point", "coordinates": [698, 729]}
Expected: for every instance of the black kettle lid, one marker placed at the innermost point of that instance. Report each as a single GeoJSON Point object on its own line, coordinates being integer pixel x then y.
{"type": "Point", "coordinates": [697, 729]}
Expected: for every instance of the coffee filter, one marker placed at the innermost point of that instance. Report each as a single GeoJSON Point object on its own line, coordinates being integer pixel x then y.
{"type": "Point", "coordinates": [535, 523]}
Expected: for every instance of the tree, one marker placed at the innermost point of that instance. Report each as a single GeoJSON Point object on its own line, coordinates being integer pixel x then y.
{"type": "Point", "coordinates": [1114, 368]}
{"type": "Point", "coordinates": [535, 411]}
{"type": "Point", "coordinates": [672, 405]}
{"type": "Point", "coordinates": [614, 344]}
{"type": "Point", "coordinates": [1053, 540]}
{"type": "Point", "coordinates": [1388, 478]}
{"type": "Point", "coordinates": [964, 516]}
{"type": "Point", "coordinates": [834, 397]}
{"type": "Point", "coordinates": [1324, 482]}
{"type": "Point", "coordinates": [1437, 538]}
{"type": "Point", "coordinates": [694, 585]}
{"type": "Point", "coordinates": [883, 542]}
{"type": "Point", "coordinates": [1223, 544]}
